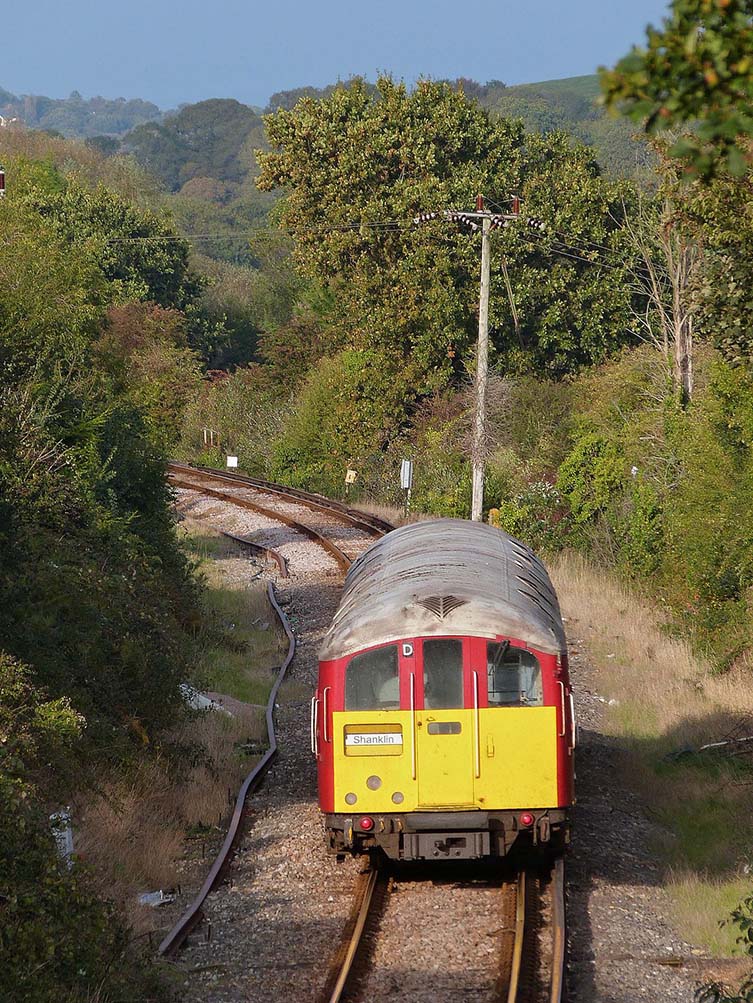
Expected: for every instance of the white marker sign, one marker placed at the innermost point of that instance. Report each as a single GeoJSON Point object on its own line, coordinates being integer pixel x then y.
{"type": "Point", "coordinates": [374, 738]}
{"type": "Point", "coordinates": [232, 461]}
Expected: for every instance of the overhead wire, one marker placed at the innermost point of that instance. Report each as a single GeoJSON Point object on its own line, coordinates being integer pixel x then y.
{"type": "Point", "coordinates": [387, 224]}
{"type": "Point", "coordinates": [568, 249]}
{"type": "Point", "coordinates": [584, 244]}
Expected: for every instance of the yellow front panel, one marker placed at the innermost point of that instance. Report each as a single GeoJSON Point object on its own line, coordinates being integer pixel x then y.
{"type": "Point", "coordinates": [355, 763]}
{"type": "Point", "coordinates": [518, 757]}
{"type": "Point", "coordinates": [445, 741]}
{"type": "Point", "coordinates": [513, 751]}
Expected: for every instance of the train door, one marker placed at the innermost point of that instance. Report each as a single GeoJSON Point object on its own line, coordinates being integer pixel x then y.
{"type": "Point", "coordinates": [444, 729]}
{"type": "Point", "coordinates": [517, 726]}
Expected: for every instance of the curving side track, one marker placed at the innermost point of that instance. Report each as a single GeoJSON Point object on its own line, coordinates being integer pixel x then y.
{"type": "Point", "coordinates": [195, 479]}
{"type": "Point", "coordinates": [365, 521]}
{"type": "Point", "coordinates": [193, 914]}
{"type": "Point", "coordinates": [269, 500]}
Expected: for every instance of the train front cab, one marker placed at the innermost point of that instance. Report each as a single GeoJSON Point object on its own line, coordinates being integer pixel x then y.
{"type": "Point", "coordinates": [445, 747]}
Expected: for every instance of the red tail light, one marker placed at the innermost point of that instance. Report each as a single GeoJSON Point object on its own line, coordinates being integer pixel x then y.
{"type": "Point", "coordinates": [527, 820]}
{"type": "Point", "coordinates": [366, 823]}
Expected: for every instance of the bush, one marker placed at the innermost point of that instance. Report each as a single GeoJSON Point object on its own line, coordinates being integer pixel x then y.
{"type": "Point", "coordinates": [590, 476]}
{"type": "Point", "coordinates": [59, 942]}
{"type": "Point", "coordinates": [351, 406]}
{"type": "Point", "coordinates": [537, 516]}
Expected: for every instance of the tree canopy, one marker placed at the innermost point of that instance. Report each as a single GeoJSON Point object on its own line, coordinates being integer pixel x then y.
{"type": "Point", "coordinates": [359, 166]}
{"type": "Point", "coordinates": [203, 139]}
{"type": "Point", "coordinates": [697, 70]}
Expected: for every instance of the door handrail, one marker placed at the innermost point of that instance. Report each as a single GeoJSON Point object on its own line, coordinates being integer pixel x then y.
{"type": "Point", "coordinates": [573, 726]}
{"type": "Point", "coordinates": [413, 723]}
{"type": "Point", "coordinates": [476, 727]}
{"type": "Point", "coordinates": [325, 733]}
{"type": "Point", "coordinates": [314, 736]}
{"type": "Point", "coordinates": [561, 734]}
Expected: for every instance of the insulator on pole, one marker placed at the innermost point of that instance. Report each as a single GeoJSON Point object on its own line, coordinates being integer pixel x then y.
{"type": "Point", "coordinates": [479, 203]}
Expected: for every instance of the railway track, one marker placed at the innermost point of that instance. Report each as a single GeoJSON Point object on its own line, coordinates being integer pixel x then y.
{"type": "Point", "coordinates": [371, 523]}
{"type": "Point", "coordinates": [199, 480]}
{"type": "Point", "coordinates": [268, 500]}
{"type": "Point", "coordinates": [531, 943]}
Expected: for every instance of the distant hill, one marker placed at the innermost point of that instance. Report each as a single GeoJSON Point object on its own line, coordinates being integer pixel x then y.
{"type": "Point", "coordinates": [571, 105]}
{"type": "Point", "coordinates": [77, 117]}
{"type": "Point", "coordinates": [586, 87]}
{"type": "Point", "coordinates": [214, 140]}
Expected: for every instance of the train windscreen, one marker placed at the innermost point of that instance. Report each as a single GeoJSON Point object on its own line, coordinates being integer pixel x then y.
{"type": "Point", "coordinates": [513, 677]}
{"type": "Point", "coordinates": [371, 680]}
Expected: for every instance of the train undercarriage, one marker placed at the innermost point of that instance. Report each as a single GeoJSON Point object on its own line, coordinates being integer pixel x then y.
{"type": "Point", "coordinates": [448, 835]}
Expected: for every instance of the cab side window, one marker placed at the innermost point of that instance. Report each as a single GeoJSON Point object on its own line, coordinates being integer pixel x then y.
{"type": "Point", "coordinates": [513, 677]}
{"type": "Point", "coordinates": [371, 680]}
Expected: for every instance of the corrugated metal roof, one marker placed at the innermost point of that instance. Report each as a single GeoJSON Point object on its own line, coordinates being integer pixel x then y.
{"type": "Point", "coordinates": [445, 576]}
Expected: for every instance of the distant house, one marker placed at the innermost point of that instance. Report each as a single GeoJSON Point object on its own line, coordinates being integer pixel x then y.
{"type": "Point", "coordinates": [6, 123]}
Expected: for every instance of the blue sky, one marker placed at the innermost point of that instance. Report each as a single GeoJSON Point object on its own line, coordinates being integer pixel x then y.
{"type": "Point", "coordinates": [187, 50]}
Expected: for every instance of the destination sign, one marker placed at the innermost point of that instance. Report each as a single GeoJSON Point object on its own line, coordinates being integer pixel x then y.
{"type": "Point", "coordinates": [374, 738]}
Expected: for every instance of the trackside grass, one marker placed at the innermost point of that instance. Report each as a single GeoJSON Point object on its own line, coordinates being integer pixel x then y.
{"type": "Point", "coordinates": [669, 703]}
{"type": "Point", "coordinates": [238, 646]}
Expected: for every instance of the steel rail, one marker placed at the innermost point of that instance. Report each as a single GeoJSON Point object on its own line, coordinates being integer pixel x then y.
{"type": "Point", "coordinates": [558, 932]}
{"type": "Point", "coordinates": [520, 930]}
{"type": "Point", "coordinates": [193, 914]}
{"type": "Point", "coordinates": [342, 560]}
{"type": "Point", "coordinates": [372, 524]}
{"type": "Point", "coordinates": [257, 548]}
{"type": "Point", "coordinates": [342, 965]}
{"type": "Point", "coordinates": [528, 970]}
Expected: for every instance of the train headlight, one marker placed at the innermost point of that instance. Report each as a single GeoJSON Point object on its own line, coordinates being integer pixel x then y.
{"type": "Point", "coordinates": [374, 783]}
{"type": "Point", "coordinates": [398, 797]}
{"type": "Point", "coordinates": [350, 799]}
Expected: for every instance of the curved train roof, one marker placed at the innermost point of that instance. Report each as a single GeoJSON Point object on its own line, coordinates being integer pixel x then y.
{"type": "Point", "coordinates": [445, 576]}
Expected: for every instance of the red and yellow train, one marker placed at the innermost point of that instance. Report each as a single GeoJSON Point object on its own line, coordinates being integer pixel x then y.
{"type": "Point", "coordinates": [443, 722]}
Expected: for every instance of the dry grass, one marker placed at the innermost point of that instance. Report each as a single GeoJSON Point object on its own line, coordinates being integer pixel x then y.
{"type": "Point", "coordinates": [392, 513]}
{"type": "Point", "coordinates": [669, 700]}
{"type": "Point", "coordinates": [674, 695]}
{"type": "Point", "coordinates": [133, 835]}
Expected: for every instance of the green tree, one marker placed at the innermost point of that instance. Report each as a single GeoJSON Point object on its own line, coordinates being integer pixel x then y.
{"type": "Point", "coordinates": [696, 71]}
{"type": "Point", "coordinates": [358, 166]}
{"type": "Point", "coordinates": [59, 942]}
{"type": "Point", "coordinates": [145, 349]}
{"type": "Point", "coordinates": [201, 140]}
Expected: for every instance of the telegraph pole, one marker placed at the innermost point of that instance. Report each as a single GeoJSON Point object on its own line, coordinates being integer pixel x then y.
{"type": "Point", "coordinates": [478, 455]}
{"type": "Point", "coordinates": [485, 221]}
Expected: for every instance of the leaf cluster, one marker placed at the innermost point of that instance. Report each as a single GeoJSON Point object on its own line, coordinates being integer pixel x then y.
{"type": "Point", "coordinates": [697, 70]}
